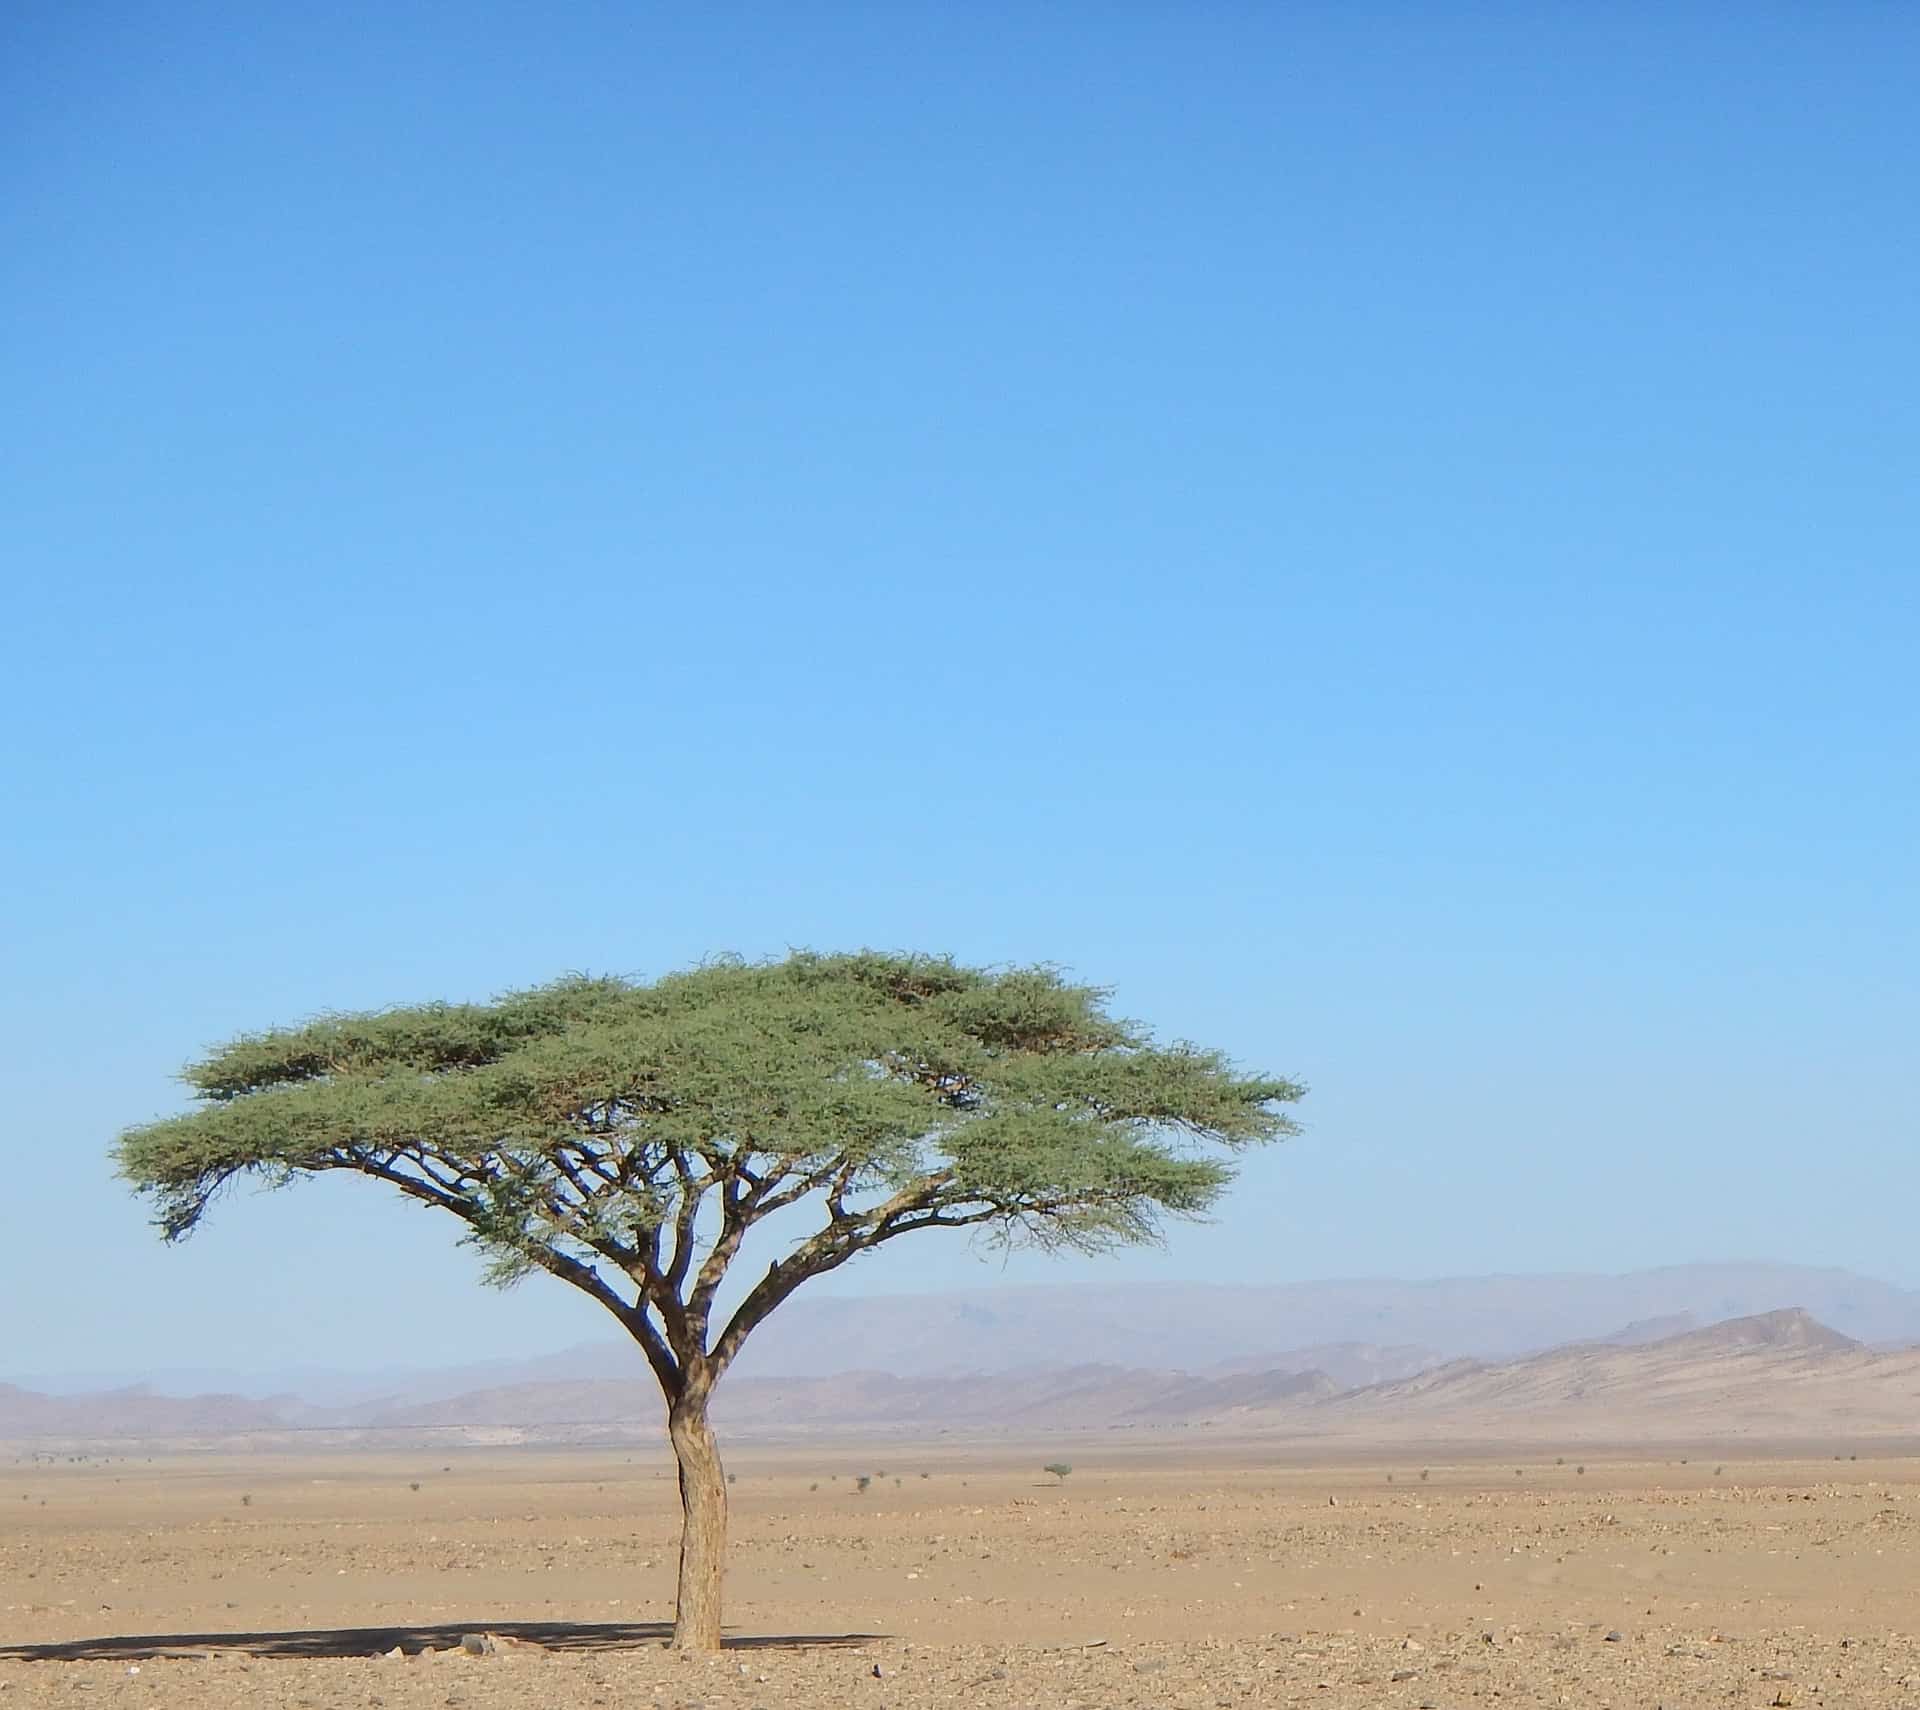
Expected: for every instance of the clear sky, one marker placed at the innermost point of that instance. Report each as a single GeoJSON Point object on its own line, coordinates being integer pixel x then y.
{"type": "Point", "coordinates": [1386, 533]}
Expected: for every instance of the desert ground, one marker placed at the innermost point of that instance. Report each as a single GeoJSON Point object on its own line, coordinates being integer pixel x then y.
{"type": "Point", "coordinates": [1183, 1571]}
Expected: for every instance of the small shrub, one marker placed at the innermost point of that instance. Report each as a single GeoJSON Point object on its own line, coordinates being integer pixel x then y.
{"type": "Point", "coordinates": [860, 1484]}
{"type": "Point", "coordinates": [733, 1478]}
{"type": "Point", "coordinates": [1059, 1469]}
{"type": "Point", "coordinates": [415, 1485]}
{"type": "Point", "coordinates": [1581, 1470]}
{"type": "Point", "coordinates": [246, 1502]}
{"type": "Point", "coordinates": [1425, 1474]}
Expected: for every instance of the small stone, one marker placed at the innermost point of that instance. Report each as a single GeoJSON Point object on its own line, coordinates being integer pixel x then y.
{"type": "Point", "coordinates": [1405, 1674]}
{"type": "Point", "coordinates": [1614, 1638]}
{"type": "Point", "coordinates": [478, 1644]}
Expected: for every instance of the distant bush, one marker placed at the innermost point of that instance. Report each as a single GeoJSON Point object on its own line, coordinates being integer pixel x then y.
{"type": "Point", "coordinates": [1059, 1469]}
{"type": "Point", "coordinates": [860, 1484]}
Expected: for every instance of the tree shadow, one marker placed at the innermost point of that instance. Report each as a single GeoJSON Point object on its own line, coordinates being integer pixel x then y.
{"type": "Point", "coordinates": [377, 1641]}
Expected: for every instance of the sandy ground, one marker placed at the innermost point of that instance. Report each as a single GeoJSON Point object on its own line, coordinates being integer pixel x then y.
{"type": "Point", "coordinates": [1184, 1572]}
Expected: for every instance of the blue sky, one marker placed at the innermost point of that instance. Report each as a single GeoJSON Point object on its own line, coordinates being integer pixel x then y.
{"type": "Point", "coordinates": [1384, 533]}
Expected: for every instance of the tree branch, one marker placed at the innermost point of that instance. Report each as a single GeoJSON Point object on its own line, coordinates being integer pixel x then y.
{"type": "Point", "coordinates": [848, 1233]}
{"type": "Point", "coordinates": [799, 1188]}
{"type": "Point", "coordinates": [632, 1315]}
{"type": "Point", "coordinates": [782, 1278]}
{"type": "Point", "coordinates": [693, 1189]}
{"type": "Point", "coordinates": [736, 1217]}
{"type": "Point", "coordinates": [666, 1368]}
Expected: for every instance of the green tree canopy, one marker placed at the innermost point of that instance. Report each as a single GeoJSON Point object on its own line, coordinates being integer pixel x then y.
{"type": "Point", "coordinates": [626, 1136]}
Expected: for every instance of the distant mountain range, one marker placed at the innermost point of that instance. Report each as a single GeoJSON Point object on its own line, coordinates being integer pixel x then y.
{"type": "Point", "coordinates": [1765, 1377]}
{"type": "Point", "coordinates": [1357, 1331]}
{"type": "Point", "coordinates": [1196, 1326]}
{"type": "Point", "coordinates": [131, 1413]}
{"type": "Point", "coordinates": [1772, 1374]}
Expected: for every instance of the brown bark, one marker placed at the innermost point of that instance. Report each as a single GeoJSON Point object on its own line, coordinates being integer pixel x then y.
{"type": "Point", "coordinates": [703, 1525]}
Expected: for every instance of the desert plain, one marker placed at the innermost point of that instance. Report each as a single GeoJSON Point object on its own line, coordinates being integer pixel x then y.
{"type": "Point", "coordinates": [1185, 1569]}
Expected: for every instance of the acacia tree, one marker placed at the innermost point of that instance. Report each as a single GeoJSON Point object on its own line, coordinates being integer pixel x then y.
{"type": "Point", "coordinates": [626, 1137]}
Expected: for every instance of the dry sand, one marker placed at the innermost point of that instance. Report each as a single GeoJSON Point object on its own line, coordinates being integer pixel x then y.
{"type": "Point", "coordinates": [1185, 1571]}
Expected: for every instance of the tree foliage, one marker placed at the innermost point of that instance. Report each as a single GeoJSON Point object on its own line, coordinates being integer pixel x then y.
{"type": "Point", "coordinates": [625, 1136]}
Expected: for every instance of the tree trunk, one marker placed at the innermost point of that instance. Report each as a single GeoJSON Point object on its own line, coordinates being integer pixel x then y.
{"type": "Point", "coordinates": [703, 1526]}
